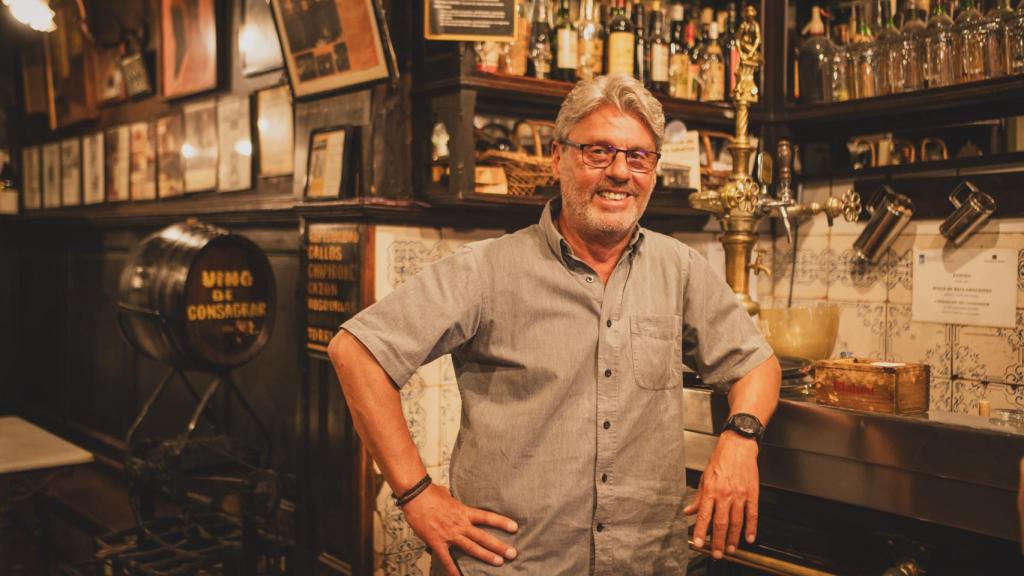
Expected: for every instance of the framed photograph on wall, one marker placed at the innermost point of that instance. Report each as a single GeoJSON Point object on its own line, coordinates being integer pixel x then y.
{"type": "Point", "coordinates": [92, 168]}
{"type": "Point", "coordinates": [70, 62]}
{"type": "Point", "coordinates": [188, 32]}
{"type": "Point", "coordinates": [329, 171]}
{"type": "Point", "coordinates": [51, 175]}
{"type": "Point", "coordinates": [30, 184]}
{"type": "Point", "coordinates": [117, 143]}
{"type": "Point", "coordinates": [170, 166]}
{"type": "Point", "coordinates": [71, 172]}
{"type": "Point", "coordinates": [258, 45]}
{"type": "Point", "coordinates": [330, 44]}
{"type": "Point", "coordinates": [199, 149]}
{"type": "Point", "coordinates": [142, 179]}
{"type": "Point", "coordinates": [275, 128]}
{"type": "Point", "coordinates": [234, 160]}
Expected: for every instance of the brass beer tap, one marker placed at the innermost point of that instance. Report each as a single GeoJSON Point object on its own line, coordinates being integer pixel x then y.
{"type": "Point", "coordinates": [742, 202]}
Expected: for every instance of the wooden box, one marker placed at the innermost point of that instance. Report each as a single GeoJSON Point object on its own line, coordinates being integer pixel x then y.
{"type": "Point", "coordinates": [872, 385]}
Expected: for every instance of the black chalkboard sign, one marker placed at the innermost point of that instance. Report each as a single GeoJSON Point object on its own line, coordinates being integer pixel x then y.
{"type": "Point", "coordinates": [475, 20]}
{"type": "Point", "coordinates": [333, 280]}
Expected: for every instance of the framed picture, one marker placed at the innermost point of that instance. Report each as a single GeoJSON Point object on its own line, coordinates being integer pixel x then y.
{"type": "Point", "coordinates": [51, 175]}
{"type": "Point", "coordinates": [92, 168]}
{"type": "Point", "coordinates": [188, 29]}
{"type": "Point", "coordinates": [33, 76]}
{"type": "Point", "coordinates": [275, 128]}
{"type": "Point", "coordinates": [234, 160]}
{"type": "Point", "coordinates": [33, 197]}
{"type": "Point", "coordinates": [171, 167]}
{"type": "Point", "coordinates": [142, 179]}
{"type": "Point", "coordinates": [117, 142]}
{"type": "Point", "coordinates": [199, 149]}
{"type": "Point", "coordinates": [71, 172]}
{"type": "Point", "coordinates": [330, 44]}
{"type": "Point", "coordinates": [329, 171]}
{"type": "Point", "coordinates": [258, 46]}
{"type": "Point", "coordinates": [70, 63]}
{"type": "Point", "coordinates": [110, 86]}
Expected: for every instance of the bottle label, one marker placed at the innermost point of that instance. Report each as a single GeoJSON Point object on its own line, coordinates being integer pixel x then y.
{"type": "Point", "coordinates": [713, 82]}
{"type": "Point", "coordinates": [679, 70]}
{"type": "Point", "coordinates": [591, 58]}
{"type": "Point", "coordinates": [567, 48]}
{"type": "Point", "coordinates": [620, 53]}
{"type": "Point", "coordinates": [659, 63]}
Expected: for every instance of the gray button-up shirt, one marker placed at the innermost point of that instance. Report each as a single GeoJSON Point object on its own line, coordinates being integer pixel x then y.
{"type": "Point", "coordinates": [571, 388]}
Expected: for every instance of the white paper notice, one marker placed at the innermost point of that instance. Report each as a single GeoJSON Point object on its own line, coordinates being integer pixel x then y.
{"type": "Point", "coordinates": [966, 286]}
{"type": "Point", "coordinates": [683, 154]}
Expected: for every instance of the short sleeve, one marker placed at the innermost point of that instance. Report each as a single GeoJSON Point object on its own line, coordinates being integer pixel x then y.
{"type": "Point", "coordinates": [720, 339]}
{"type": "Point", "coordinates": [426, 317]}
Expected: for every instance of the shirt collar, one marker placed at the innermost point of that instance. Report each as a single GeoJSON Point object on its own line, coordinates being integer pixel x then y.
{"type": "Point", "coordinates": [557, 243]}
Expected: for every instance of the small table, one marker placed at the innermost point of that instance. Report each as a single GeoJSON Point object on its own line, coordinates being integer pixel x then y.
{"type": "Point", "coordinates": [27, 452]}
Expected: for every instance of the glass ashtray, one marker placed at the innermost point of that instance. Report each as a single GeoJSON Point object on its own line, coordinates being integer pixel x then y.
{"type": "Point", "coordinates": [1007, 417]}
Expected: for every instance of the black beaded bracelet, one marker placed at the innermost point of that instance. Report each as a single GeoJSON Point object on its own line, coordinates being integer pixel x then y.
{"type": "Point", "coordinates": [413, 492]}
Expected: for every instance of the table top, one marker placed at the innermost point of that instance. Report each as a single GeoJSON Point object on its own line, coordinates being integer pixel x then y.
{"type": "Point", "coordinates": [26, 447]}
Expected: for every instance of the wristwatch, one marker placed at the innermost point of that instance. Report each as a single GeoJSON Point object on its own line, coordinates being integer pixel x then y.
{"type": "Point", "coordinates": [746, 425]}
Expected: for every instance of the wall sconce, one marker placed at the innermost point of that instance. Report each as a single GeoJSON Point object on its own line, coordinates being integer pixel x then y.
{"type": "Point", "coordinates": [890, 213]}
{"type": "Point", "coordinates": [36, 14]}
{"type": "Point", "coordinates": [973, 210]}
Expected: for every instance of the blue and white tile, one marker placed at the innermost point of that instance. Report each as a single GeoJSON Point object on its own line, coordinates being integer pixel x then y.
{"type": "Point", "coordinates": [900, 260]}
{"type": "Point", "coordinates": [990, 354]}
{"type": "Point", "coordinates": [811, 281]}
{"type": "Point", "coordinates": [400, 252]}
{"type": "Point", "coordinates": [816, 225]}
{"type": "Point", "coordinates": [405, 563]}
{"type": "Point", "coordinates": [918, 342]}
{"type": "Point", "coordinates": [851, 280]}
{"type": "Point", "coordinates": [940, 395]}
{"type": "Point", "coordinates": [861, 330]}
{"type": "Point", "coordinates": [967, 394]}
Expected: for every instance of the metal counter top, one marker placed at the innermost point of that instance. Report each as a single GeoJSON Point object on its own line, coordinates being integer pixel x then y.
{"type": "Point", "coordinates": [950, 469]}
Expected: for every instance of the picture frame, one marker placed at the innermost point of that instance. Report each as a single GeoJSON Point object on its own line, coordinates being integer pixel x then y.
{"type": "Point", "coordinates": [188, 33]}
{"type": "Point", "coordinates": [117, 147]}
{"type": "Point", "coordinates": [199, 148]}
{"type": "Point", "coordinates": [110, 82]}
{"type": "Point", "coordinates": [31, 186]}
{"type": "Point", "coordinates": [330, 162]}
{"type": "Point", "coordinates": [142, 176]}
{"type": "Point", "coordinates": [275, 130]}
{"type": "Point", "coordinates": [70, 66]}
{"type": "Point", "coordinates": [259, 48]}
{"type": "Point", "coordinates": [71, 171]}
{"type": "Point", "coordinates": [34, 86]}
{"type": "Point", "coordinates": [331, 44]}
{"type": "Point", "coordinates": [51, 175]}
{"type": "Point", "coordinates": [234, 158]}
{"type": "Point", "coordinates": [170, 132]}
{"type": "Point", "coordinates": [93, 173]}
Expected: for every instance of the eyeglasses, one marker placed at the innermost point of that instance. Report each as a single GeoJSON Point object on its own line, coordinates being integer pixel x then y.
{"type": "Point", "coordinates": [601, 156]}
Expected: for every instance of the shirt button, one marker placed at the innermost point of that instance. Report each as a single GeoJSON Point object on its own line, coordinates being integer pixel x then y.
{"type": "Point", "coordinates": [609, 323]}
{"type": "Point", "coordinates": [607, 424]}
{"type": "Point", "coordinates": [604, 477]}
{"type": "Point", "coordinates": [600, 527]}
{"type": "Point", "coordinates": [608, 373]}
{"type": "Point", "coordinates": [590, 279]}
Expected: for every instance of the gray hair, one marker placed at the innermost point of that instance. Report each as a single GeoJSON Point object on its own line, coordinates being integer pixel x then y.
{"type": "Point", "coordinates": [624, 92]}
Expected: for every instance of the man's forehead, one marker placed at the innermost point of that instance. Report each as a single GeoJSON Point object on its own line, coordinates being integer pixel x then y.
{"type": "Point", "coordinates": [607, 124]}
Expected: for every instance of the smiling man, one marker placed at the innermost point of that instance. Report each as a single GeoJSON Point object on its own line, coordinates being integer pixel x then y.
{"type": "Point", "coordinates": [569, 339]}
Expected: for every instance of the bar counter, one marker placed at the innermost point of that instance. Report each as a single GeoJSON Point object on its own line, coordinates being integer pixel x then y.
{"type": "Point", "coordinates": [954, 470]}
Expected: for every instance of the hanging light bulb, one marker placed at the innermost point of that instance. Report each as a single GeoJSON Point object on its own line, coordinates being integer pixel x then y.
{"type": "Point", "coordinates": [36, 14]}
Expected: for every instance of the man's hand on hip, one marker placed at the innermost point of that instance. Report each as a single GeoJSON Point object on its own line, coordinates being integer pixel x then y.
{"type": "Point", "coordinates": [727, 494]}
{"type": "Point", "coordinates": [442, 521]}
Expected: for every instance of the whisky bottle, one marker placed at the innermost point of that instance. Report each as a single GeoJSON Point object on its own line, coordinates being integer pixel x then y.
{"type": "Point", "coordinates": [641, 50]}
{"type": "Point", "coordinates": [619, 48]}
{"type": "Point", "coordinates": [659, 50]}
{"type": "Point", "coordinates": [679, 54]}
{"type": "Point", "coordinates": [565, 47]}
{"type": "Point", "coordinates": [590, 43]}
{"type": "Point", "coordinates": [712, 68]}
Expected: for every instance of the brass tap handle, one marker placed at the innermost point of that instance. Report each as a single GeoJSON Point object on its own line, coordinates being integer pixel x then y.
{"type": "Point", "coordinates": [785, 156]}
{"type": "Point", "coordinates": [758, 265]}
{"type": "Point", "coordinates": [851, 206]}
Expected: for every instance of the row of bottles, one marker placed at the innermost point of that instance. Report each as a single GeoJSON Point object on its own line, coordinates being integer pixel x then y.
{"type": "Point", "coordinates": [680, 48]}
{"type": "Point", "coordinates": [953, 42]}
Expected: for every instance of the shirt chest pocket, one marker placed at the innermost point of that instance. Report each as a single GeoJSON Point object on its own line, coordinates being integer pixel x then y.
{"type": "Point", "coordinates": [656, 344]}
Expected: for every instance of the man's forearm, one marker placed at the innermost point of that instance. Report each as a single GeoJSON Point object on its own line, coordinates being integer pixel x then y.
{"type": "Point", "coordinates": [376, 409]}
{"type": "Point", "coordinates": [757, 393]}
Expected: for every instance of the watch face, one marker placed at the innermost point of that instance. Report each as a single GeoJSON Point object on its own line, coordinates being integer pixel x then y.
{"type": "Point", "coordinates": [747, 424]}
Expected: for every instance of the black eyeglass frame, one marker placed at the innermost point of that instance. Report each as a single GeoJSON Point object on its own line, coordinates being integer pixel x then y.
{"type": "Point", "coordinates": [615, 152]}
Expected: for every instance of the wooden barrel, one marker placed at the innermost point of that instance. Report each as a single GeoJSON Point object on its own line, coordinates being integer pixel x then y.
{"type": "Point", "coordinates": [196, 296]}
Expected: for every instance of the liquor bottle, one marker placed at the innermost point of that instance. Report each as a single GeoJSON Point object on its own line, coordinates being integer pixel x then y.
{"type": "Point", "coordinates": [938, 47]}
{"type": "Point", "coordinates": [995, 30]}
{"type": "Point", "coordinates": [694, 47]}
{"type": "Point", "coordinates": [540, 41]}
{"type": "Point", "coordinates": [619, 48]}
{"type": "Point", "coordinates": [865, 58]}
{"type": "Point", "coordinates": [967, 44]}
{"type": "Point", "coordinates": [816, 54]}
{"type": "Point", "coordinates": [565, 48]}
{"type": "Point", "coordinates": [1015, 35]}
{"type": "Point", "coordinates": [842, 64]}
{"type": "Point", "coordinates": [731, 49]}
{"type": "Point", "coordinates": [887, 41]}
{"type": "Point", "coordinates": [909, 58]}
{"type": "Point", "coordinates": [641, 46]}
{"type": "Point", "coordinates": [712, 68]}
{"type": "Point", "coordinates": [659, 49]}
{"type": "Point", "coordinates": [678, 54]}
{"type": "Point", "coordinates": [590, 43]}
{"type": "Point", "coordinates": [516, 59]}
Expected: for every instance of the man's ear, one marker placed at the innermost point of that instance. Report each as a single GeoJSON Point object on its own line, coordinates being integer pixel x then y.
{"type": "Point", "coordinates": [556, 158]}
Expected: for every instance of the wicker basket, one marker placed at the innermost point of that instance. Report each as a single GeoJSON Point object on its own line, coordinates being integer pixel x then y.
{"type": "Point", "coordinates": [525, 172]}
